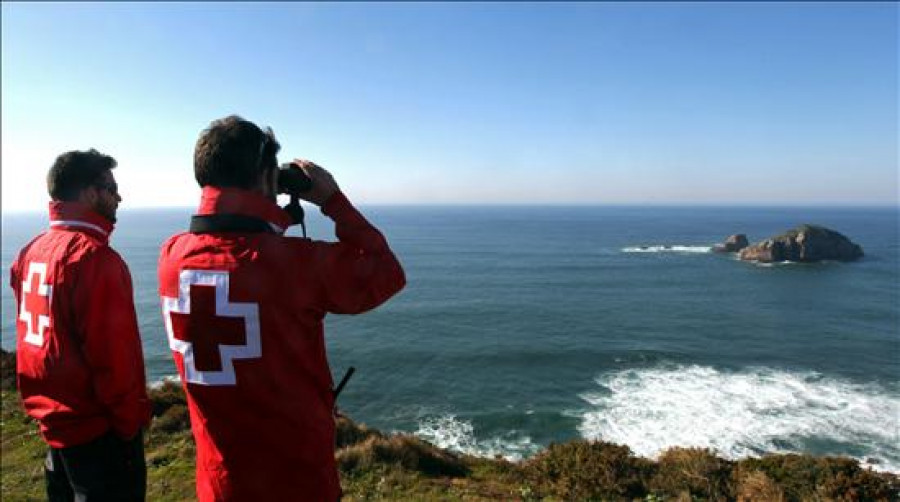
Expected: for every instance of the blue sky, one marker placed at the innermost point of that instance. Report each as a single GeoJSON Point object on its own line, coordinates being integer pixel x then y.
{"type": "Point", "coordinates": [580, 103]}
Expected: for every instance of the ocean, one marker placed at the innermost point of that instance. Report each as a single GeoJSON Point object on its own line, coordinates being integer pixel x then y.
{"type": "Point", "coordinates": [521, 326]}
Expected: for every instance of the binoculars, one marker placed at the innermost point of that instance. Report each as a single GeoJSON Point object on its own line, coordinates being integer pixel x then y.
{"type": "Point", "coordinates": [292, 180]}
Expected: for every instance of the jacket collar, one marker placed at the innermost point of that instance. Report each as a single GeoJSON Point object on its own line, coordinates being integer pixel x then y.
{"type": "Point", "coordinates": [227, 200]}
{"type": "Point", "coordinates": [80, 217]}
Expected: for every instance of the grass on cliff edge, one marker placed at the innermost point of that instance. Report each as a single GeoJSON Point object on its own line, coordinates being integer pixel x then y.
{"type": "Point", "coordinates": [377, 466]}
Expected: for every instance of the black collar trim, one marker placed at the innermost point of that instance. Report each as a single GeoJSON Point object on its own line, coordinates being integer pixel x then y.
{"type": "Point", "coordinates": [210, 223]}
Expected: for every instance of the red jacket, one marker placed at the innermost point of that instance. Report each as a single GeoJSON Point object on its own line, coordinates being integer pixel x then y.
{"type": "Point", "coordinates": [80, 369]}
{"type": "Point", "coordinates": [244, 312]}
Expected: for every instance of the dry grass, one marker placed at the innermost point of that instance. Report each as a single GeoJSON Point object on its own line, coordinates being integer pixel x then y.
{"type": "Point", "coordinates": [697, 471]}
{"type": "Point", "coordinates": [755, 486]}
{"type": "Point", "coordinates": [348, 433]}
{"type": "Point", "coordinates": [407, 452]}
{"type": "Point", "coordinates": [377, 466]}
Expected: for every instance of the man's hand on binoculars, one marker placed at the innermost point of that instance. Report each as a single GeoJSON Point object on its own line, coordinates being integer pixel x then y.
{"type": "Point", "coordinates": [323, 184]}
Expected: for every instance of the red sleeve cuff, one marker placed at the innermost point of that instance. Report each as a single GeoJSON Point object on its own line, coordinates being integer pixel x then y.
{"type": "Point", "coordinates": [336, 205]}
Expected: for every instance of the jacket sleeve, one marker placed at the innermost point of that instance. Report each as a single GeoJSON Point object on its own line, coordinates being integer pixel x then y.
{"type": "Point", "coordinates": [15, 273]}
{"type": "Point", "coordinates": [111, 344]}
{"type": "Point", "coordinates": [359, 272]}
{"type": "Point", "coordinates": [15, 282]}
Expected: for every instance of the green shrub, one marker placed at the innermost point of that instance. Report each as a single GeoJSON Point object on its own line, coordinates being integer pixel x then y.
{"type": "Point", "coordinates": [165, 396]}
{"type": "Point", "coordinates": [808, 478]}
{"type": "Point", "coordinates": [588, 470]}
{"type": "Point", "coordinates": [176, 418]}
{"type": "Point", "coordinates": [697, 471]}
{"type": "Point", "coordinates": [845, 480]}
{"type": "Point", "coordinates": [7, 370]}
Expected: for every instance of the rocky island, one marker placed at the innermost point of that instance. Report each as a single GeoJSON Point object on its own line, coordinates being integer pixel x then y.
{"type": "Point", "coordinates": [732, 244]}
{"type": "Point", "coordinates": [806, 243]}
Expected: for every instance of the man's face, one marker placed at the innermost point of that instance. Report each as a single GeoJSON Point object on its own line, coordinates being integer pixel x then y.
{"type": "Point", "coordinates": [107, 196]}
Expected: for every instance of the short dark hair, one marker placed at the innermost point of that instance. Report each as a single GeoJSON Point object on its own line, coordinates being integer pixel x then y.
{"type": "Point", "coordinates": [228, 153]}
{"type": "Point", "coordinates": [76, 170]}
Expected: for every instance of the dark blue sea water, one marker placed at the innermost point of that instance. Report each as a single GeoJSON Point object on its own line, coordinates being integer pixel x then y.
{"type": "Point", "coordinates": [526, 325]}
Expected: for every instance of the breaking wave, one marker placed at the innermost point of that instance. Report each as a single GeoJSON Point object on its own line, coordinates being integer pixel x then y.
{"type": "Point", "coordinates": [785, 263]}
{"type": "Point", "coordinates": [452, 433]}
{"type": "Point", "coordinates": [747, 413]}
{"type": "Point", "coordinates": [667, 249]}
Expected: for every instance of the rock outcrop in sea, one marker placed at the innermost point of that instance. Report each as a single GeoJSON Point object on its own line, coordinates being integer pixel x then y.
{"type": "Point", "coordinates": [806, 243]}
{"type": "Point", "coordinates": [732, 244]}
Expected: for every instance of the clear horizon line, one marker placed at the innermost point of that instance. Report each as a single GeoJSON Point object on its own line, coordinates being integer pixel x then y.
{"type": "Point", "coordinates": [715, 204]}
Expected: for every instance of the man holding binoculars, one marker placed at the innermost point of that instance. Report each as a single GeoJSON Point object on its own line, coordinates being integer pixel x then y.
{"type": "Point", "coordinates": [244, 305]}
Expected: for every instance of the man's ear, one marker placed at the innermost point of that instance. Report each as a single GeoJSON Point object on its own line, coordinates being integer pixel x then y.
{"type": "Point", "coordinates": [267, 183]}
{"type": "Point", "coordinates": [88, 196]}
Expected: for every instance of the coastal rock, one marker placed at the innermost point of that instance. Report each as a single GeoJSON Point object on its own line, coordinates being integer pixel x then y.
{"type": "Point", "coordinates": [806, 243]}
{"type": "Point", "coordinates": [732, 244]}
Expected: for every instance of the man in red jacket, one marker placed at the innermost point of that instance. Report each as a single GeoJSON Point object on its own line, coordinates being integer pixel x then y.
{"type": "Point", "coordinates": [80, 368]}
{"type": "Point", "coordinates": [244, 307]}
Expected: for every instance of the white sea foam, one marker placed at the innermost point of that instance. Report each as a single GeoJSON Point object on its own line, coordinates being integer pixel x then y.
{"type": "Point", "coordinates": [785, 263]}
{"type": "Point", "coordinates": [744, 414]}
{"type": "Point", "coordinates": [452, 433]}
{"type": "Point", "coordinates": [162, 381]}
{"type": "Point", "coordinates": [678, 248]}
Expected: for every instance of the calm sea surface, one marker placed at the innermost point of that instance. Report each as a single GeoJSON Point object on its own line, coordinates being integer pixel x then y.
{"type": "Point", "coordinates": [526, 325]}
